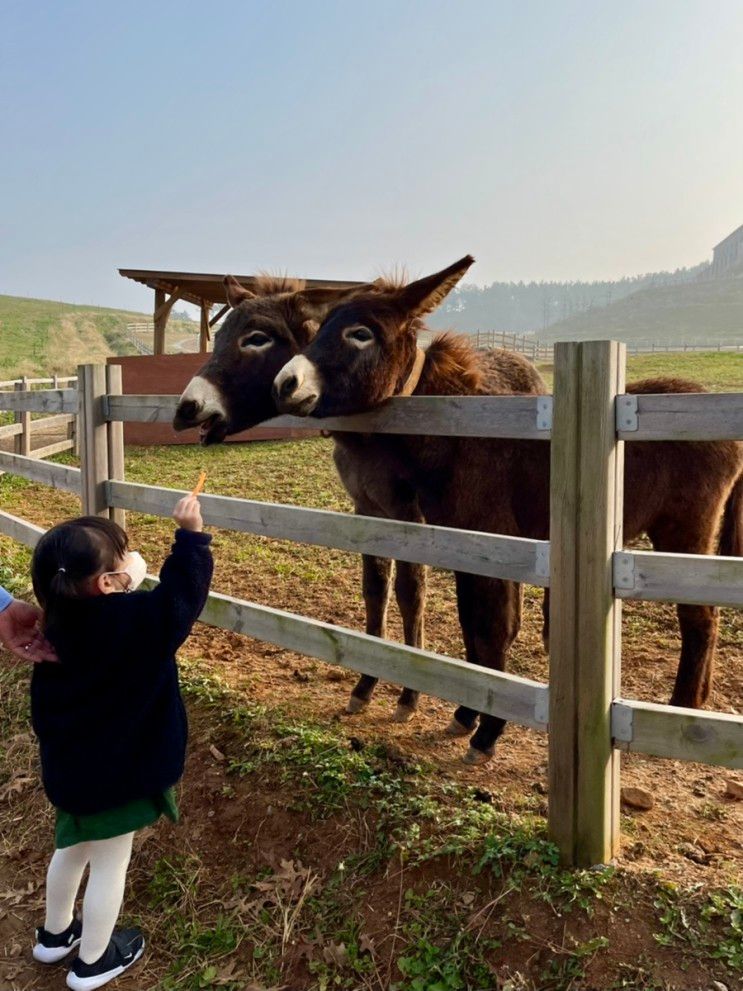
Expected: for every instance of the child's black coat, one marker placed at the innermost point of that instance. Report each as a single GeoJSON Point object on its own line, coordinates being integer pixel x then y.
{"type": "Point", "coordinates": [109, 716]}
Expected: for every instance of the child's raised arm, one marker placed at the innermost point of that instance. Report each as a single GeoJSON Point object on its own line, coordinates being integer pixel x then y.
{"type": "Point", "coordinates": [185, 575]}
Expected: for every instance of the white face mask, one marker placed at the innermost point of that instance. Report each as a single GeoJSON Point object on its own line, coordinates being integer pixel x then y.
{"type": "Point", "coordinates": [136, 569]}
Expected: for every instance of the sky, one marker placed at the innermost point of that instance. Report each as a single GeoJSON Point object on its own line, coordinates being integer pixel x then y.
{"type": "Point", "coordinates": [337, 138]}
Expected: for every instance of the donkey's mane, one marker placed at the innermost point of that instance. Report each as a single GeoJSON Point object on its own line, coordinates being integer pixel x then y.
{"type": "Point", "coordinates": [266, 284]}
{"type": "Point", "coordinates": [451, 368]}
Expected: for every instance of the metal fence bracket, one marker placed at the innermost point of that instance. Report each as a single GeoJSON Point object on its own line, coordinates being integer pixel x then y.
{"type": "Point", "coordinates": [624, 570]}
{"type": "Point", "coordinates": [626, 413]}
{"type": "Point", "coordinates": [544, 413]}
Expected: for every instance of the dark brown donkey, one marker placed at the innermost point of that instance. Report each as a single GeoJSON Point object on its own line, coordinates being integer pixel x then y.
{"type": "Point", "coordinates": [232, 392]}
{"type": "Point", "coordinates": [675, 492]}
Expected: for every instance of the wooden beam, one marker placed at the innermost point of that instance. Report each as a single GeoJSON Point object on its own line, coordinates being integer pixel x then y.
{"type": "Point", "coordinates": [693, 578]}
{"type": "Point", "coordinates": [163, 310]}
{"type": "Point", "coordinates": [680, 416]}
{"type": "Point", "coordinates": [94, 440]}
{"type": "Point", "coordinates": [56, 448]}
{"type": "Point", "coordinates": [220, 313]}
{"type": "Point", "coordinates": [21, 530]}
{"type": "Point", "coordinates": [204, 334]}
{"type": "Point", "coordinates": [585, 634]}
{"type": "Point", "coordinates": [682, 734]}
{"type": "Point", "coordinates": [514, 558]}
{"type": "Point", "coordinates": [44, 401]}
{"type": "Point", "coordinates": [160, 322]}
{"type": "Point", "coordinates": [115, 433]}
{"type": "Point", "coordinates": [57, 476]}
{"type": "Point", "coordinates": [444, 416]}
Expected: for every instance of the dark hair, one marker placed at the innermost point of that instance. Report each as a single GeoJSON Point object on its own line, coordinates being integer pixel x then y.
{"type": "Point", "coordinates": [68, 556]}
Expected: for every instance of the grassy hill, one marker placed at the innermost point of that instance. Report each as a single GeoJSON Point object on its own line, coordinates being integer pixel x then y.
{"type": "Point", "coordinates": [694, 311]}
{"type": "Point", "coordinates": [40, 337]}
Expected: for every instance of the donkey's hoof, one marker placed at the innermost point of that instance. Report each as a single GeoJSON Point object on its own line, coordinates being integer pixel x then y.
{"type": "Point", "coordinates": [355, 704]}
{"type": "Point", "coordinates": [403, 713]}
{"type": "Point", "coordinates": [474, 757]}
{"type": "Point", "coordinates": [455, 728]}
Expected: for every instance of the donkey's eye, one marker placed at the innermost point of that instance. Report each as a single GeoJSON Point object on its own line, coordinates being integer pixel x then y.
{"type": "Point", "coordinates": [359, 335]}
{"type": "Point", "coordinates": [255, 340]}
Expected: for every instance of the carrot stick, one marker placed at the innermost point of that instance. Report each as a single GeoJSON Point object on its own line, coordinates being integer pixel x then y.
{"type": "Point", "coordinates": [199, 485]}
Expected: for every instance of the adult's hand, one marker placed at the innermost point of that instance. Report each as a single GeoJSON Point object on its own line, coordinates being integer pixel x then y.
{"type": "Point", "coordinates": [19, 631]}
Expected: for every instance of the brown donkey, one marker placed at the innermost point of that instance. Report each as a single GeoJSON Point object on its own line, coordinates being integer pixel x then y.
{"type": "Point", "coordinates": [233, 391]}
{"type": "Point", "coordinates": [675, 492]}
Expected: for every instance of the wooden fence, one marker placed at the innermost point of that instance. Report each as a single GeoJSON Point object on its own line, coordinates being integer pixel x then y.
{"type": "Point", "coordinates": [584, 564]}
{"type": "Point", "coordinates": [24, 425]}
{"type": "Point", "coordinates": [543, 351]}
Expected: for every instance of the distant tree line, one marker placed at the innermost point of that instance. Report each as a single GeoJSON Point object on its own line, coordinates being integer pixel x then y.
{"type": "Point", "coordinates": [532, 306]}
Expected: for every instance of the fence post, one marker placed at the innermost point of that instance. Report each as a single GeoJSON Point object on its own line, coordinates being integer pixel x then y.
{"type": "Point", "coordinates": [115, 440]}
{"type": "Point", "coordinates": [585, 632]}
{"type": "Point", "coordinates": [94, 439]}
{"type": "Point", "coordinates": [22, 444]}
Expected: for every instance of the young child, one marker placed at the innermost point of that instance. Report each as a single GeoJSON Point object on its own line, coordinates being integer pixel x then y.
{"type": "Point", "coordinates": [110, 721]}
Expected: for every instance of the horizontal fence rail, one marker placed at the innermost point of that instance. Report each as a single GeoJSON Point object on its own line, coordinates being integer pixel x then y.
{"type": "Point", "coordinates": [57, 476]}
{"type": "Point", "coordinates": [682, 734]}
{"type": "Point", "coordinates": [693, 578]}
{"type": "Point", "coordinates": [44, 401]}
{"type": "Point", "coordinates": [527, 417]}
{"type": "Point", "coordinates": [680, 416]}
{"type": "Point", "coordinates": [514, 558]}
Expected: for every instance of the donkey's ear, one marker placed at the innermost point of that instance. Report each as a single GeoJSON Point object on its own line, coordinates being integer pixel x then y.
{"type": "Point", "coordinates": [424, 295]}
{"type": "Point", "coordinates": [236, 293]}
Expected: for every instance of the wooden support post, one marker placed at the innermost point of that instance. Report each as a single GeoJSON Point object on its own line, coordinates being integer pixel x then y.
{"type": "Point", "coordinates": [23, 440]}
{"type": "Point", "coordinates": [161, 321]}
{"type": "Point", "coordinates": [204, 329]}
{"type": "Point", "coordinates": [585, 635]}
{"type": "Point", "coordinates": [94, 440]}
{"type": "Point", "coordinates": [115, 440]}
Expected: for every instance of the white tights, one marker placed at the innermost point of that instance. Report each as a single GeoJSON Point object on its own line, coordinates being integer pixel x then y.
{"type": "Point", "coordinates": [104, 893]}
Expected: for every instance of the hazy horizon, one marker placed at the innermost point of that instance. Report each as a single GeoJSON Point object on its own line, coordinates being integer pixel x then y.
{"type": "Point", "coordinates": [554, 142]}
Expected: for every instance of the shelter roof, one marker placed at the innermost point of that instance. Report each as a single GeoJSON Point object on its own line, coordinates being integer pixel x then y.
{"type": "Point", "coordinates": [197, 286]}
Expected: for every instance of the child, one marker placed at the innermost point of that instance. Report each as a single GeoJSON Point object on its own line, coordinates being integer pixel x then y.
{"type": "Point", "coordinates": [110, 721]}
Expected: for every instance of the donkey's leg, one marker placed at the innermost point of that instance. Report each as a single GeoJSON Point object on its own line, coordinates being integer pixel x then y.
{"type": "Point", "coordinates": [410, 591]}
{"type": "Point", "coordinates": [464, 719]}
{"type": "Point", "coordinates": [546, 620]}
{"type": "Point", "coordinates": [698, 624]}
{"type": "Point", "coordinates": [375, 583]}
{"type": "Point", "coordinates": [497, 620]}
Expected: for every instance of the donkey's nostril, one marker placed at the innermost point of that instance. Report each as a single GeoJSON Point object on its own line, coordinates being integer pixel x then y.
{"type": "Point", "coordinates": [187, 412]}
{"type": "Point", "coordinates": [288, 386]}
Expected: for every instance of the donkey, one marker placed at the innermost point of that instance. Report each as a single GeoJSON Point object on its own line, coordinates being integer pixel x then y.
{"type": "Point", "coordinates": [233, 391]}
{"type": "Point", "coordinates": [676, 493]}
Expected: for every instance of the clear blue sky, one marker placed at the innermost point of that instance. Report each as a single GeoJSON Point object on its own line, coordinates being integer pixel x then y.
{"type": "Point", "coordinates": [552, 140]}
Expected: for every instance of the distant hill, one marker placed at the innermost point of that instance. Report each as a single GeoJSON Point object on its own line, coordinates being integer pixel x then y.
{"type": "Point", "coordinates": [523, 307]}
{"type": "Point", "coordinates": [703, 310]}
{"type": "Point", "coordinates": [40, 337]}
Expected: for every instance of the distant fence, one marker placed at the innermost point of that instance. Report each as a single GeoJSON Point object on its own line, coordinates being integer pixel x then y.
{"type": "Point", "coordinates": [541, 351]}
{"type": "Point", "coordinates": [25, 428]}
{"type": "Point", "coordinates": [583, 563]}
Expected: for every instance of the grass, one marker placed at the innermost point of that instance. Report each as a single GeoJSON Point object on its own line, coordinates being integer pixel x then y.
{"type": "Point", "coordinates": [717, 371]}
{"type": "Point", "coordinates": [39, 337]}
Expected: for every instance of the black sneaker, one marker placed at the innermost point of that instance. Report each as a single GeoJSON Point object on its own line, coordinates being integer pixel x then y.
{"type": "Point", "coordinates": [125, 948]}
{"type": "Point", "coordinates": [53, 947]}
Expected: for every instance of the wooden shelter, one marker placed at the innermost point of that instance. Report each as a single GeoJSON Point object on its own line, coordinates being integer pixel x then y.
{"type": "Point", "coordinates": [204, 290]}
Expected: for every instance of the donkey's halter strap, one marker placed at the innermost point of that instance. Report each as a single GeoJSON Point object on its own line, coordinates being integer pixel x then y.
{"type": "Point", "coordinates": [414, 378]}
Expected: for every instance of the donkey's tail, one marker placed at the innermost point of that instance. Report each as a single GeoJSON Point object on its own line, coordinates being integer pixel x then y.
{"type": "Point", "coordinates": [731, 534]}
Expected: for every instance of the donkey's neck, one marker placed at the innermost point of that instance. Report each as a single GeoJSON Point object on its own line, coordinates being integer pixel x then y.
{"type": "Point", "coordinates": [451, 368]}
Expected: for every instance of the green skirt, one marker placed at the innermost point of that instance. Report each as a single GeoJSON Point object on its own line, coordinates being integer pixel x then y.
{"type": "Point", "coordinates": [71, 829]}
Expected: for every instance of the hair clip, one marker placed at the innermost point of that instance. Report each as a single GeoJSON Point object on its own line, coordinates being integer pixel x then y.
{"type": "Point", "coordinates": [63, 570]}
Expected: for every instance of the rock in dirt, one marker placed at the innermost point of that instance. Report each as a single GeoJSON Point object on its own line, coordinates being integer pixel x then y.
{"type": "Point", "coordinates": [693, 852]}
{"type": "Point", "coordinates": [637, 798]}
{"type": "Point", "coordinates": [734, 789]}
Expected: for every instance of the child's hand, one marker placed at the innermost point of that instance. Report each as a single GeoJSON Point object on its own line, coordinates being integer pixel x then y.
{"type": "Point", "coordinates": [187, 514]}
